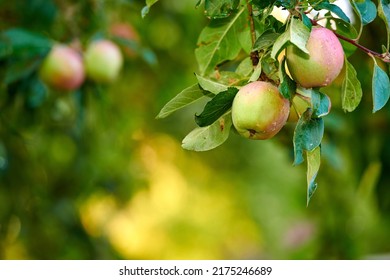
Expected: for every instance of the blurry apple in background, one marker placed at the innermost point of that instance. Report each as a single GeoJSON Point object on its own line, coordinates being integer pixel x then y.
{"type": "Point", "coordinates": [62, 68]}
{"type": "Point", "coordinates": [126, 32]}
{"type": "Point", "coordinates": [103, 61]}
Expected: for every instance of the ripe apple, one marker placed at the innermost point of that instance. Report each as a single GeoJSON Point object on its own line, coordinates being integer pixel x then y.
{"type": "Point", "coordinates": [103, 61]}
{"type": "Point", "coordinates": [259, 111]}
{"type": "Point", "coordinates": [127, 32]}
{"type": "Point", "coordinates": [322, 65]}
{"type": "Point", "coordinates": [62, 68]}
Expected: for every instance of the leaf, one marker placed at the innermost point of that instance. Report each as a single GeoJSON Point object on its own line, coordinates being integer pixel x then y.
{"type": "Point", "coordinates": [216, 107]}
{"type": "Point", "coordinates": [183, 99]}
{"type": "Point", "coordinates": [145, 10]}
{"type": "Point", "coordinates": [36, 93]}
{"type": "Point", "coordinates": [313, 165]}
{"type": "Point", "coordinates": [366, 10]}
{"type": "Point", "coordinates": [297, 34]}
{"type": "Point", "coordinates": [21, 42]}
{"type": "Point", "coordinates": [21, 69]}
{"type": "Point", "coordinates": [211, 85]}
{"type": "Point", "coordinates": [287, 86]}
{"type": "Point", "coordinates": [265, 41]}
{"type": "Point", "coordinates": [320, 103]}
{"type": "Point", "coordinates": [384, 14]}
{"type": "Point", "coordinates": [351, 90]}
{"type": "Point", "coordinates": [245, 68]}
{"type": "Point", "coordinates": [380, 88]}
{"type": "Point", "coordinates": [307, 135]}
{"type": "Point", "coordinates": [218, 41]}
{"type": "Point", "coordinates": [210, 137]}
{"type": "Point", "coordinates": [256, 73]}
{"type": "Point", "coordinates": [334, 9]}
{"type": "Point", "coordinates": [220, 8]}
{"type": "Point", "coordinates": [306, 20]}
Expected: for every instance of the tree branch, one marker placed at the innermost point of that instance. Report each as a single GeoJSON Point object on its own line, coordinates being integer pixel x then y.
{"type": "Point", "coordinates": [254, 55]}
{"type": "Point", "coordinates": [383, 56]}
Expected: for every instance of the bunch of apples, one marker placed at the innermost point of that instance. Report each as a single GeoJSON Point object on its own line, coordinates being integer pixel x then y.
{"type": "Point", "coordinates": [66, 67]}
{"type": "Point", "coordinates": [259, 110]}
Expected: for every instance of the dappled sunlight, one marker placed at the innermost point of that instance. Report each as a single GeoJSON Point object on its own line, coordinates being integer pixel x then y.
{"type": "Point", "coordinates": [183, 213]}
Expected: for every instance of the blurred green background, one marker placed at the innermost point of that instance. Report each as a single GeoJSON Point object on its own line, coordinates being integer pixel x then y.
{"type": "Point", "coordinates": [93, 174]}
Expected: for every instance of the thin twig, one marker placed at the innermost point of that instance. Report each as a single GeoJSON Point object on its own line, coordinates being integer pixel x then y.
{"type": "Point", "coordinates": [251, 22]}
{"type": "Point", "coordinates": [255, 54]}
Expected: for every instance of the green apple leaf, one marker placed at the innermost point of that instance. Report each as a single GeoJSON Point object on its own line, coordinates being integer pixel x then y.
{"type": "Point", "coordinates": [320, 103]}
{"type": "Point", "coordinates": [209, 137]}
{"type": "Point", "coordinates": [287, 86]}
{"type": "Point", "coordinates": [184, 98]}
{"type": "Point", "coordinates": [384, 14]}
{"type": "Point", "coordinates": [225, 79]}
{"type": "Point", "coordinates": [265, 41]}
{"type": "Point", "coordinates": [313, 165]}
{"type": "Point", "coordinates": [211, 85]}
{"type": "Point", "coordinates": [297, 34]}
{"type": "Point", "coordinates": [380, 88]}
{"type": "Point", "coordinates": [245, 68]}
{"type": "Point", "coordinates": [220, 8]}
{"type": "Point", "coordinates": [351, 90]}
{"type": "Point", "coordinates": [307, 135]}
{"type": "Point", "coordinates": [332, 8]}
{"type": "Point", "coordinates": [218, 41]}
{"type": "Point", "coordinates": [366, 10]}
{"type": "Point", "coordinates": [256, 72]}
{"type": "Point", "coordinates": [216, 107]}
{"type": "Point", "coordinates": [306, 20]}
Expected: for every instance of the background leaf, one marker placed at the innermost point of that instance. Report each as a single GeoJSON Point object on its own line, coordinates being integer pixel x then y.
{"type": "Point", "coordinates": [351, 90]}
{"type": "Point", "coordinates": [380, 88]}
{"type": "Point", "coordinates": [210, 137]}
{"type": "Point", "coordinates": [184, 98]}
{"type": "Point", "coordinates": [216, 107]}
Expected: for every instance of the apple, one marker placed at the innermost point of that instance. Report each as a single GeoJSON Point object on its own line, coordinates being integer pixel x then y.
{"type": "Point", "coordinates": [322, 65]}
{"type": "Point", "coordinates": [103, 61]}
{"type": "Point", "coordinates": [126, 32]}
{"type": "Point", "coordinates": [62, 68]}
{"type": "Point", "coordinates": [259, 111]}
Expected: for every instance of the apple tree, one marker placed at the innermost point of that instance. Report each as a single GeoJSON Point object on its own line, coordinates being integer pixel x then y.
{"type": "Point", "coordinates": [258, 69]}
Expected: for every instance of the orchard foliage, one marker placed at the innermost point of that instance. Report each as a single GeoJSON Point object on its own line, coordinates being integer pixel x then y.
{"type": "Point", "coordinates": [243, 42]}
